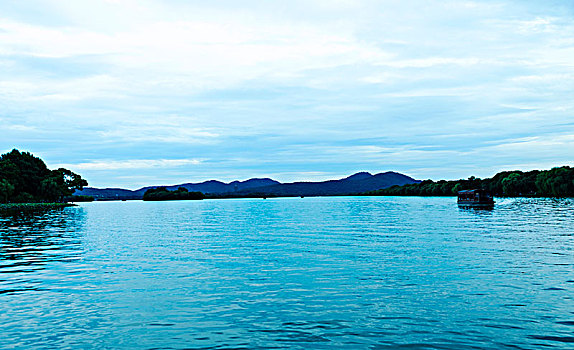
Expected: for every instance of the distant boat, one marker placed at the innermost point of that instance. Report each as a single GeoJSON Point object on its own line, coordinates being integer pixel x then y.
{"type": "Point", "coordinates": [475, 198]}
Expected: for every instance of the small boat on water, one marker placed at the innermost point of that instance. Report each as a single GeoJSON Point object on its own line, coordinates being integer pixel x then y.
{"type": "Point", "coordinates": [475, 198]}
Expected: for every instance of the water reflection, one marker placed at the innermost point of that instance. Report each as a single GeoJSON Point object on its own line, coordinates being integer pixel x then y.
{"type": "Point", "coordinates": [348, 272]}
{"type": "Point", "coordinates": [476, 210]}
{"type": "Point", "coordinates": [32, 239]}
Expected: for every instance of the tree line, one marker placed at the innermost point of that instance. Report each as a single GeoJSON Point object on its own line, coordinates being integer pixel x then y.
{"type": "Point", "coordinates": [163, 194]}
{"type": "Point", "coordinates": [557, 182]}
{"type": "Point", "coordinates": [25, 178]}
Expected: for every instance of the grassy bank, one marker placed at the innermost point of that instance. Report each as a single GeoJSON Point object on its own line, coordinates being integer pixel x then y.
{"type": "Point", "coordinates": [33, 206]}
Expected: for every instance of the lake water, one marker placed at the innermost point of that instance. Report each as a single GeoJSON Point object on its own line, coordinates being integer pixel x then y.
{"type": "Point", "coordinates": [299, 273]}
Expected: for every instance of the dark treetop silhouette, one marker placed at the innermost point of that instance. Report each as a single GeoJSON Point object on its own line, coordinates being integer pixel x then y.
{"type": "Point", "coordinates": [26, 179]}
{"type": "Point", "coordinates": [163, 194]}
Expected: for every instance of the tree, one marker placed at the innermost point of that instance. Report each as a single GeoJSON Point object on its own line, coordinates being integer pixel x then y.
{"type": "Point", "coordinates": [51, 190]}
{"type": "Point", "coordinates": [6, 190]}
{"type": "Point", "coordinates": [163, 194]}
{"type": "Point", "coordinates": [61, 183]}
{"type": "Point", "coordinates": [511, 184]}
{"type": "Point", "coordinates": [557, 182]}
{"type": "Point", "coordinates": [25, 178]}
{"type": "Point", "coordinates": [24, 171]}
{"type": "Point", "coordinates": [456, 188]}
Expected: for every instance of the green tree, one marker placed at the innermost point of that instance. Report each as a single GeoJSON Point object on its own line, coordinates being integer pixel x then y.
{"type": "Point", "coordinates": [557, 182]}
{"type": "Point", "coordinates": [6, 190]}
{"type": "Point", "coordinates": [30, 179]}
{"type": "Point", "coordinates": [511, 184]}
{"type": "Point", "coordinates": [163, 194]}
{"type": "Point", "coordinates": [51, 190]}
{"type": "Point", "coordinates": [24, 171]}
{"type": "Point", "coordinates": [456, 188]}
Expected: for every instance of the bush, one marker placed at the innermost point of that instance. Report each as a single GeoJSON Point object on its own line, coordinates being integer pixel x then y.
{"type": "Point", "coordinates": [163, 194]}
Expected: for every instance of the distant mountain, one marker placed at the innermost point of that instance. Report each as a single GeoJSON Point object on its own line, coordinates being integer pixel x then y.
{"type": "Point", "coordinates": [218, 187]}
{"type": "Point", "coordinates": [354, 184]}
{"type": "Point", "coordinates": [211, 187]}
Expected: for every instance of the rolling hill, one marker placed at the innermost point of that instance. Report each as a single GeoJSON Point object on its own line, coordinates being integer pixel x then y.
{"type": "Point", "coordinates": [354, 184]}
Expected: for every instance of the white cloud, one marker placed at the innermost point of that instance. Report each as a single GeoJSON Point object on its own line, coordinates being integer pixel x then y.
{"type": "Point", "coordinates": [43, 90]}
{"type": "Point", "coordinates": [131, 164]}
{"type": "Point", "coordinates": [298, 87]}
{"type": "Point", "coordinates": [206, 54]}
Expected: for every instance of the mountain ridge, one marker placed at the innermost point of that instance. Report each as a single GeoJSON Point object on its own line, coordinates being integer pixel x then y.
{"type": "Point", "coordinates": [354, 184]}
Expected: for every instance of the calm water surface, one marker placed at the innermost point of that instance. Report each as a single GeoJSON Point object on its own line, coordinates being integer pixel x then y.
{"type": "Point", "coordinates": [312, 273]}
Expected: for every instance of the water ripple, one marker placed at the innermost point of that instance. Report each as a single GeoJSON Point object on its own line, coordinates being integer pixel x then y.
{"type": "Point", "coordinates": [321, 273]}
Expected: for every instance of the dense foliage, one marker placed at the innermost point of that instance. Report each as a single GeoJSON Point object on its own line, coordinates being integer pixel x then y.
{"type": "Point", "coordinates": [163, 194]}
{"type": "Point", "coordinates": [557, 182]}
{"type": "Point", "coordinates": [80, 198]}
{"type": "Point", "coordinates": [26, 179]}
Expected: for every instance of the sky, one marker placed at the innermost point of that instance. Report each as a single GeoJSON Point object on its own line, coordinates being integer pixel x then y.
{"type": "Point", "coordinates": [130, 93]}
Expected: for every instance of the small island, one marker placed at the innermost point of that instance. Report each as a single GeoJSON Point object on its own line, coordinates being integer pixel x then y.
{"type": "Point", "coordinates": [163, 194]}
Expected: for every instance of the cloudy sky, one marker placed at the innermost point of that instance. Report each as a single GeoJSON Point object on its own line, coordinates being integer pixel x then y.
{"type": "Point", "coordinates": [138, 92]}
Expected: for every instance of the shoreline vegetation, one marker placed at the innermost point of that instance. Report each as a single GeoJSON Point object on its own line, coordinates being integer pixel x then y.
{"type": "Point", "coordinates": [555, 183]}
{"type": "Point", "coordinates": [163, 194]}
{"type": "Point", "coordinates": [26, 182]}
{"type": "Point", "coordinates": [79, 198]}
{"type": "Point", "coordinates": [33, 206]}
{"type": "Point", "coordinates": [25, 179]}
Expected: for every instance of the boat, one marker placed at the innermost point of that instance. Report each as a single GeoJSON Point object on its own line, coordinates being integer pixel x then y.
{"type": "Point", "coordinates": [477, 198]}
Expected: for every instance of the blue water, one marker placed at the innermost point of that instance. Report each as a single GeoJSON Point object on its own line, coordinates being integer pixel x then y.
{"type": "Point", "coordinates": [299, 273]}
